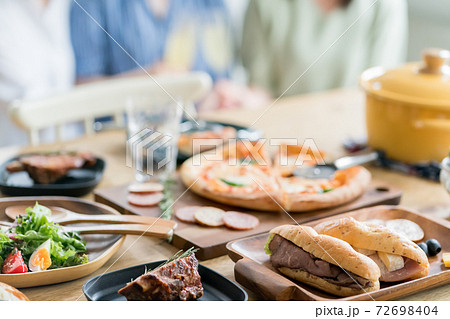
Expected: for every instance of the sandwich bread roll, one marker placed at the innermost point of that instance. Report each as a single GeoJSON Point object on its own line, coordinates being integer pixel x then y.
{"type": "Point", "coordinates": [397, 257]}
{"type": "Point", "coordinates": [321, 261]}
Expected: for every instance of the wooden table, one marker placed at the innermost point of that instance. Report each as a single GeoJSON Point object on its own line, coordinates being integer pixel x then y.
{"type": "Point", "coordinates": [328, 118]}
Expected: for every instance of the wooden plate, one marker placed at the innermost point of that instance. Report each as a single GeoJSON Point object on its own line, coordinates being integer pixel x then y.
{"type": "Point", "coordinates": [254, 271]}
{"type": "Point", "coordinates": [99, 247]}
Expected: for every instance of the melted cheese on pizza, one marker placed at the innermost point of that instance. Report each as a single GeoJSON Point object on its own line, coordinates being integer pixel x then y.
{"type": "Point", "coordinates": [302, 185]}
{"type": "Point", "coordinates": [222, 177]}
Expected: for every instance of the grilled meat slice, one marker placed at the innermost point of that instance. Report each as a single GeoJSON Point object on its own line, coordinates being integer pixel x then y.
{"type": "Point", "coordinates": [176, 280]}
{"type": "Point", "coordinates": [48, 168]}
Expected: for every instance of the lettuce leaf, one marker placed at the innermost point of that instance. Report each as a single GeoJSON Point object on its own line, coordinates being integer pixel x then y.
{"type": "Point", "coordinates": [67, 248]}
{"type": "Point", "coordinates": [6, 245]}
{"type": "Point", "coordinates": [266, 246]}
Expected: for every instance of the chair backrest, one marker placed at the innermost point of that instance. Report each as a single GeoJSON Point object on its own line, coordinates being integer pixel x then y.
{"type": "Point", "coordinates": [107, 98]}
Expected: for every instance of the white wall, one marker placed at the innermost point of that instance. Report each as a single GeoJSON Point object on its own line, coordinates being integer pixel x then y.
{"type": "Point", "coordinates": [429, 26]}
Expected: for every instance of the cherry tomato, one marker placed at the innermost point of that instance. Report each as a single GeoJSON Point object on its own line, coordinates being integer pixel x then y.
{"type": "Point", "coordinates": [14, 264]}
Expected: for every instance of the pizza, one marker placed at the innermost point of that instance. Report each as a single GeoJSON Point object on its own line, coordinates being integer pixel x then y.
{"type": "Point", "coordinates": [211, 139]}
{"type": "Point", "coordinates": [243, 175]}
{"type": "Point", "coordinates": [289, 156]}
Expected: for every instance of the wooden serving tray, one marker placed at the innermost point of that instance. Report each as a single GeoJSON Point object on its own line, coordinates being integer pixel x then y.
{"type": "Point", "coordinates": [254, 271]}
{"type": "Point", "coordinates": [212, 241]}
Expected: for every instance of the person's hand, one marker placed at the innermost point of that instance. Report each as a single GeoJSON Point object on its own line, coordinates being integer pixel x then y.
{"type": "Point", "coordinates": [157, 68]}
{"type": "Point", "coordinates": [330, 5]}
{"type": "Point", "coordinates": [229, 95]}
{"type": "Point", "coordinates": [162, 67]}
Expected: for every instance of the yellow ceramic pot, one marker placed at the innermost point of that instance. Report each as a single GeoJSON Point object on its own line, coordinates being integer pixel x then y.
{"type": "Point", "coordinates": [408, 109]}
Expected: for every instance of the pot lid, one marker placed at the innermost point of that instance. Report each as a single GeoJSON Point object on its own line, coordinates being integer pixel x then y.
{"type": "Point", "coordinates": [426, 82]}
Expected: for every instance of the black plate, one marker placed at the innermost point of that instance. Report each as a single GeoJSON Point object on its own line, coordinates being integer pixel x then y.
{"type": "Point", "coordinates": [215, 286]}
{"type": "Point", "coordinates": [77, 182]}
{"type": "Point", "coordinates": [191, 127]}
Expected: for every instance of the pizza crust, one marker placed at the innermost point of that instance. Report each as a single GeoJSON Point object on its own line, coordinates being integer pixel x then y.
{"type": "Point", "coordinates": [356, 182]}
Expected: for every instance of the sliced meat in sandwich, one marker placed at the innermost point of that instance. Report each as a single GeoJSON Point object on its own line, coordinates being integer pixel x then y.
{"type": "Point", "coordinates": [397, 257]}
{"type": "Point", "coordinates": [321, 261]}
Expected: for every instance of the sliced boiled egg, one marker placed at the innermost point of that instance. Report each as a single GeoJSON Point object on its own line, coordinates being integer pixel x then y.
{"type": "Point", "coordinates": [40, 259]}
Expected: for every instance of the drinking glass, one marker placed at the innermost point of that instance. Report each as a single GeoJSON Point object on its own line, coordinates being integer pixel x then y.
{"type": "Point", "coordinates": [152, 136]}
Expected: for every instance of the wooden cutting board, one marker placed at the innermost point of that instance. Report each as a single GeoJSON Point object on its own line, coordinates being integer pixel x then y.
{"type": "Point", "coordinates": [212, 241]}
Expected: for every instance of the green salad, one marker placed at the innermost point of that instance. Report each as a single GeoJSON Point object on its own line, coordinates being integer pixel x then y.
{"type": "Point", "coordinates": [34, 243]}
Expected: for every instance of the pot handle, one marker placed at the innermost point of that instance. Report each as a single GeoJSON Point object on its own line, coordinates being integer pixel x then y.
{"type": "Point", "coordinates": [436, 61]}
{"type": "Point", "coordinates": [437, 124]}
{"type": "Point", "coordinates": [350, 161]}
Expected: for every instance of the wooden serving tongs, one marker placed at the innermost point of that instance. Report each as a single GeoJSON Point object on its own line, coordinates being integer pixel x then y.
{"type": "Point", "coordinates": [116, 224]}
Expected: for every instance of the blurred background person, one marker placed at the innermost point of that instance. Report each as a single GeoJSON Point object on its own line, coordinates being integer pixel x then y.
{"type": "Point", "coordinates": [282, 39]}
{"type": "Point", "coordinates": [36, 58]}
{"type": "Point", "coordinates": [162, 36]}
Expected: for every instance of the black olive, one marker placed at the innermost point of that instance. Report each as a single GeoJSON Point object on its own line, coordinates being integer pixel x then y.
{"type": "Point", "coordinates": [434, 247]}
{"type": "Point", "coordinates": [424, 247]}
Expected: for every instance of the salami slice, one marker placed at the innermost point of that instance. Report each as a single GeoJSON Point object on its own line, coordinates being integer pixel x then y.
{"type": "Point", "coordinates": [209, 216]}
{"type": "Point", "coordinates": [240, 221]}
{"type": "Point", "coordinates": [142, 188]}
{"type": "Point", "coordinates": [186, 214]}
{"type": "Point", "coordinates": [145, 200]}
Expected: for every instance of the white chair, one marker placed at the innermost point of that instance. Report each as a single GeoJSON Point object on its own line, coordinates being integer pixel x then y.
{"type": "Point", "coordinates": [107, 98]}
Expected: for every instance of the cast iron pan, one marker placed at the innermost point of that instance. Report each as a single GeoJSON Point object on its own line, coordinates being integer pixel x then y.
{"type": "Point", "coordinates": [215, 286]}
{"type": "Point", "coordinates": [77, 182]}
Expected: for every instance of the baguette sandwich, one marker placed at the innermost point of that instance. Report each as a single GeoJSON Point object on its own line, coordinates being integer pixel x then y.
{"type": "Point", "coordinates": [321, 261]}
{"type": "Point", "coordinates": [397, 257]}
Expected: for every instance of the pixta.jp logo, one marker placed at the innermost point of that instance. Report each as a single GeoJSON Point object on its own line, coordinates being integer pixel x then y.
{"type": "Point", "coordinates": [148, 151]}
